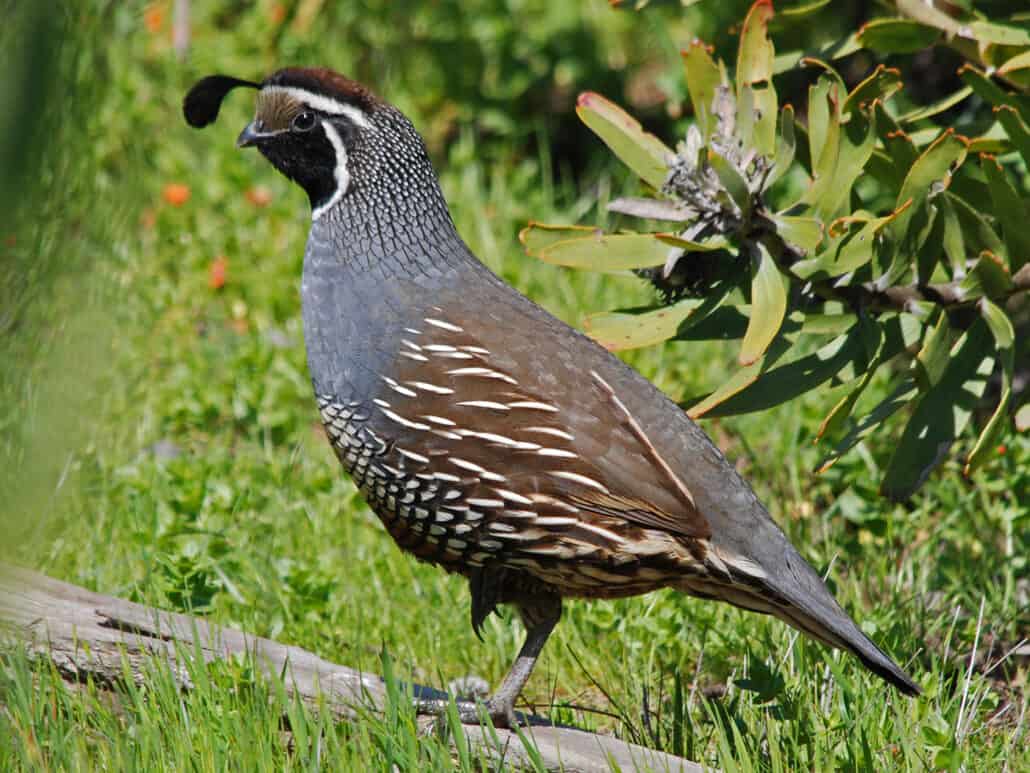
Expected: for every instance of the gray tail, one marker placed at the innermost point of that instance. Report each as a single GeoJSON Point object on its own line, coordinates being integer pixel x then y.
{"type": "Point", "coordinates": [795, 594]}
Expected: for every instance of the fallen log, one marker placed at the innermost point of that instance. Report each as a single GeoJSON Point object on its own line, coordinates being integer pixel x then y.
{"type": "Point", "coordinates": [88, 635]}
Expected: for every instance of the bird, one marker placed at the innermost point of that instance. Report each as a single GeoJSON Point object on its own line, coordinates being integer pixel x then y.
{"type": "Point", "coordinates": [491, 438]}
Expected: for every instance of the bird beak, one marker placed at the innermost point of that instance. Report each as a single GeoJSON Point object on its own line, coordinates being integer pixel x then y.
{"type": "Point", "coordinates": [249, 136]}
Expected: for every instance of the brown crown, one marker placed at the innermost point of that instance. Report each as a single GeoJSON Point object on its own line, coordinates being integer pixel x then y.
{"type": "Point", "coordinates": [321, 80]}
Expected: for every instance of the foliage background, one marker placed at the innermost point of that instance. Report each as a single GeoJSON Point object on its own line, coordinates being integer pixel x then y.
{"type": "Point", "coordinates": [159, 441]}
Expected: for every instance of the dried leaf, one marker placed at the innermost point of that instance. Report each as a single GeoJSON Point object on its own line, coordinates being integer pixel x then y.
{"type": "Point", "coordinates": [652, 209]}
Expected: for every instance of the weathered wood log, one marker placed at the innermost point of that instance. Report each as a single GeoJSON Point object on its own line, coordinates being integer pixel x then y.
{"type": "Point", "coordinates": [90, 635]}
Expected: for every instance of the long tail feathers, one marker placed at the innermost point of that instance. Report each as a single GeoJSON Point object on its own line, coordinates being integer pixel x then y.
{"type": "Point", "coordinates": [798, 597]}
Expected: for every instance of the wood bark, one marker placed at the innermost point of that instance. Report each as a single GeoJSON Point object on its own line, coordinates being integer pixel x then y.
{"type": "Point", "coordinates": [89, 635]}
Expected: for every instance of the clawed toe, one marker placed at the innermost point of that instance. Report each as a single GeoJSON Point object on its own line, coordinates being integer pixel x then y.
{"type": "Point", "coordinates": [501, 714]}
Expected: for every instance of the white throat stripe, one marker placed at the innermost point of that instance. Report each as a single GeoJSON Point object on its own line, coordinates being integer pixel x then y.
{"type": "Point", "coordinates": [340, 172]}
{"type": "Point", "coordinates": [322, 103]}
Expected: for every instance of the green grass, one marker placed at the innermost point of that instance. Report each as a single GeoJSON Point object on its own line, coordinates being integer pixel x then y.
{"type": "Point", "coordinates": [203, 484]}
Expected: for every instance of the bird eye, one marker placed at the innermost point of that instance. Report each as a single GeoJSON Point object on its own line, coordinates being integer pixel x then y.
{"type": "Point", "coordinates": [304, 122]}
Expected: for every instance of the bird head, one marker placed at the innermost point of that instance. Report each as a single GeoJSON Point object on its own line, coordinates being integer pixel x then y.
{"type": "Point", "coordinates": [322, 130]}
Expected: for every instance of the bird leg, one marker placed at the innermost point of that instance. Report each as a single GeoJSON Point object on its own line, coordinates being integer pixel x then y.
{"type": "Point", "coordinates": [539, 615]}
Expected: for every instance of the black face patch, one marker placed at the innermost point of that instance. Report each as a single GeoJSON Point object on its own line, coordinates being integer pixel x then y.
{"type": "Point", "coordinates": [308, 158]}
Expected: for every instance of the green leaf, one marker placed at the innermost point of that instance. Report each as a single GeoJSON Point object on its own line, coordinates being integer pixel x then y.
{"type": "Point", "coordinates": [842, 409]}
{"type": "Point", "coordinates": [745, 119]}
{"type": "Point", "coordinates": [994, 141]}
{"type": "Point", "coordinates": [920, 249]}
{"type": "Point", "coordinates": [903, 392]}
{"type": "Point", "coordinates": [764, 105]}
{"type": "Point", "coordinates": [804, 233]}
{"type": "Point", "coordinates": [824, 101]}
{"type": "Point", "coordinates": [1002, 34]}
{"type": "Point", "coordinates": [778, 385]}
{"type": "Point", "coordinates": [620, 330]}
{"type": "Point", "coordinates": [897, 36]}
{"type": "Point", "coordinates": [935, 108]}
{"type": "Point", "coordinates": [977, 232]}
{"type": "Point", "coordinates": [884, 338]}
{"type": "Point", "coordinates": [988, 278]}
{"type": "Point", "coordinates": [786, 18]}
{"type": "Point", "coordinates": [932, 168]}
{"type": "Point", "coordinates": [785, 146]}
{"type": "Point", "coordinates": [823, 138]}
{"type": "Point", "coordinates": [856, 145]}
{"type": "Point", "coordinates": [606, 252]}
{"type": "Point", "coordinates": [928, 366]}
{"type": "Point", "coordinates": [536, 236]}
{"type": "Point", "coordinates": [836, 49]}
{"type": "Point", "coordinates": [729, 323]}
{"type": "Point", "coordinates": [873, 338]}
{"type": "Point", "coordinates": [941, 413]}
{"type": "Point", "coordinates": [1011, 210]}
{"type": "Point", "coordinates": [755, 54]}
{"type": "Point", "coordinates": [1004, 339]}
{"type": "Point", "coordinates": [882, 84]}
{"type": "Point", "coordinates": [896, 143]}
{"type": "Point", "coordinates": [733, 181]}
{"type": "Point", "coordinates": [741, 378]}
{"type": "Point", "coordinates": [988, 90]}
{"type": "Point", "coordinates": [953, 241]}
{"type": "Point", "coordinates": [642, 152]}
{"type": "Point", "coordinates": [846, 253]}
{"type": "Point", "coordinates": [768, 307]}
{"type": "Point", "coordinates": [1017, 70]}
{"type": "Point", "coordinates": [708, 245]}
{"type": "Point", "coordinates": [1016, 129]}
{"type": "Point", "coordinates": [703, 80]}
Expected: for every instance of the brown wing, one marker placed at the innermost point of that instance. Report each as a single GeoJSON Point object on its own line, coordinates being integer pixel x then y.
{"type": "Point", "coordinates": [536, 474]}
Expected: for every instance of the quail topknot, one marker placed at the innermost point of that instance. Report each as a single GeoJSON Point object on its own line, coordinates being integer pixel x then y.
{"type": "Point", "coordinates": [491, 438]}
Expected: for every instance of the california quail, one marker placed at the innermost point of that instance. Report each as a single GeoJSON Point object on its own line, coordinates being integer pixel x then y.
{"type": "Point", "coordinates": [491, 438]}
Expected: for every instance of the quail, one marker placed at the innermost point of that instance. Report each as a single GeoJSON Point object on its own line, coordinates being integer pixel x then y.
{"type": "Point", "coordinates": [489, 437]}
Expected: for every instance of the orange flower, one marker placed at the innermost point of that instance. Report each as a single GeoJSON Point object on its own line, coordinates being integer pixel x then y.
{"type": "Point", "coordinates": [259, 196]}
{"type": "Point", "coordinates": [154, 17]}
{"type": "Point", "coordinates": [176, 194]}
{"type": "Point", "coordinates": [217, 272]}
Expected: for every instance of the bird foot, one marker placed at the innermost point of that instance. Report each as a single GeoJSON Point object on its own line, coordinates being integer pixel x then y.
{"type": "Point", "coordinates": [501, 714]}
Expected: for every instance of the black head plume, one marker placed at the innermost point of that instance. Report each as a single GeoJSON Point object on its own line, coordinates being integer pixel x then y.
{"type": "Point", "coordinates": [200, 107]}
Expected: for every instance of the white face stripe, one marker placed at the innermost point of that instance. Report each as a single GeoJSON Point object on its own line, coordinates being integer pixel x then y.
{"type": "Point", "coordinates": [322, 103]}
{"type": "Point", "coordinates": [340, 172]}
